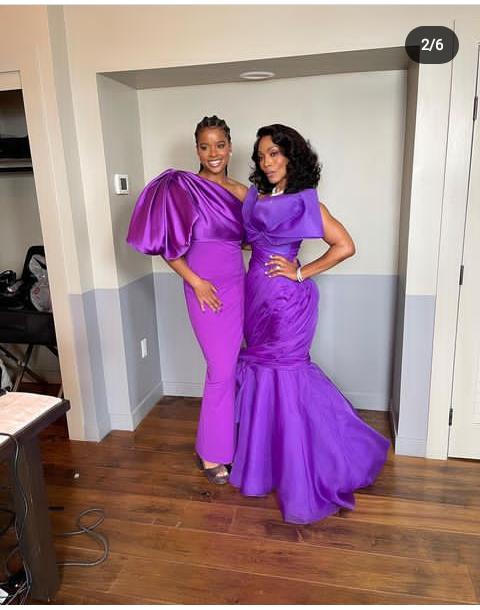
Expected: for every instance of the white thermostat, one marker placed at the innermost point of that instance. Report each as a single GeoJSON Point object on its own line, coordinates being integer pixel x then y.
{"type": "Point", "coordinates": [121, 184]}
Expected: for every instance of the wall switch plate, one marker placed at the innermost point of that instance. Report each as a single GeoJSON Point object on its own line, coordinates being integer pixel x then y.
{"type": "Point", "coordinates": [143, 348]}
{"type": "Point", "coordinates": [121, 184]}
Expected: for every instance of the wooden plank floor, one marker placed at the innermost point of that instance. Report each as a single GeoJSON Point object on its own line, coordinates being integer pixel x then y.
{"type": "Point", "coordinates": [414, 537]}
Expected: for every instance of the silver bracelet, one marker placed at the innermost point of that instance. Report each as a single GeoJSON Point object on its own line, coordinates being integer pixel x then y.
{"type": "Point", "coordinates": [300, 277]}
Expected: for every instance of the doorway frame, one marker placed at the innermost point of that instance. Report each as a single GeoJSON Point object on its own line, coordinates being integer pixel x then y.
{"type": "Point", "coordinates": [51, 189]}
{"type": "Point", "coordinates": [454, 210]}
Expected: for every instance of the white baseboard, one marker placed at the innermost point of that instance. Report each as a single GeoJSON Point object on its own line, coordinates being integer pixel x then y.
{"type": "Point", "coordinates": [129, 421]}
{"type": "Point", "coordinates": [414, 447]}
{"type": "Point", "coordinates": [368, 401]}
{"type": "Point", "coordinates": [104, 427]}
{"type": "Point", "coordinates": [183, 388]}
{"type": "Point", "coordinates": [147, 404]}
{"type": "Point", "coordinates": [122, 421]}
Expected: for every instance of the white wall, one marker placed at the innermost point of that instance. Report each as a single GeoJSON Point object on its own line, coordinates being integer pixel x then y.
{"type": "Point", "coordinates": [355, 122]}
{"type": "Point", "coordinates": [123, 155]}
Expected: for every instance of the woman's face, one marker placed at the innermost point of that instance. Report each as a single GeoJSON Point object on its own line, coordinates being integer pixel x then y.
{"type": "Point", "coordinates": [213, 149]}
{"type": "Point", "coordinates": [273, 162]}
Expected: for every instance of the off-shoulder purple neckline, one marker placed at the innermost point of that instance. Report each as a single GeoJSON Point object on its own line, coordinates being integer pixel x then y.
{"type": "Point", "coordinates": [215, 184]}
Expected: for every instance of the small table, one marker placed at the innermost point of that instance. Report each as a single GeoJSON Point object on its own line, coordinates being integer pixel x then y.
{"type": "Point", "coordinates": [24, 416]}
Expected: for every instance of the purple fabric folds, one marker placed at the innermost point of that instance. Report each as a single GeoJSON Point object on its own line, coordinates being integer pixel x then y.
{"type": "Point", "coordinates": [297, 434]}
{"type": "Point", "coordinates": [182, 214]}
{"type": "Point", "coordinates": [168, 209]}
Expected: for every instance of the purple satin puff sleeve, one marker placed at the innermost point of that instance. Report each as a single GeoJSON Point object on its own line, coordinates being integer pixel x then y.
{"type": "Point", "coordinates": [312, 219]}
{"type": "Point", "coordinates": [163, 218]}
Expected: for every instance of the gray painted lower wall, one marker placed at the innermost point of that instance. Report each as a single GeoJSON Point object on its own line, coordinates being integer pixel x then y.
{"type": "Point", "coordinates": [90, 362]}
{"type": "Point", "coordinates": [139, 320]}
{"type": "Point", "coordinates": [182, 363]}
{"type": "Point", "coordinates": [118, 386]}
{"type": "Point", "coordinates": [416, 366]}
{"type": "Point", "coordinates": [354, 340]}
{"type": "Point", "coordinates": [353, 343]}
{"type": "Point", "coordinates": [110, 328]}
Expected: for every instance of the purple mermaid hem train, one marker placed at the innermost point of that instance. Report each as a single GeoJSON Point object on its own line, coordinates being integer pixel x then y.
{"type": "Point", "coordinates": [297, 434]}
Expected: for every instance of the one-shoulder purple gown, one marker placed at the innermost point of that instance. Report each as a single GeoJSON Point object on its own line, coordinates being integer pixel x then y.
{"type": "Point", "coordinates": [182, 214]}
{"type": "Point", "coordinates": [297, 433]}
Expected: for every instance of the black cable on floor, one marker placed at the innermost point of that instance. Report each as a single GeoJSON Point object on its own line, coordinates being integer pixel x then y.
{"type": "Point", "coordinates": [88, 529]}
{"type": "Point", "coordinates": [24, 590]}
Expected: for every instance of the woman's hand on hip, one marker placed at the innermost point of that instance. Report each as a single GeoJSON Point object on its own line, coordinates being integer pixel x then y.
{"type": "Point", "coordinates": [206, 294]}
{"type": "Point", "coordinates": [279, 265]}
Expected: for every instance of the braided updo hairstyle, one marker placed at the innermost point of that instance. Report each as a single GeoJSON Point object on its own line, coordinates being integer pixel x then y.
{"type": "Point", "coordinates": [212, 122]}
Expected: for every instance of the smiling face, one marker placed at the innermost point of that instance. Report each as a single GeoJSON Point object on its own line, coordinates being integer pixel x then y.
{"type": "Point", "coordinates": [213, 149]}
{"type": "Point", "coordinates": [273, 162]}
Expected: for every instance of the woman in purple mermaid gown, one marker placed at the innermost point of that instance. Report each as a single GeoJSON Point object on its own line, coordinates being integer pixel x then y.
{"type": "Point", "coordinates": [297, 433]}
{"type": "Point", "coordinates": [195, 222]}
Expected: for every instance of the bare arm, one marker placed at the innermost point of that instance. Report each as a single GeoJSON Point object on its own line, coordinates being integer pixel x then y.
{"type": "Point", "coordinates": [205, 291]}
{"type": "Point", "coordinates": [340, 242]}
{"type": "Point", "coordinates": [341, 247]}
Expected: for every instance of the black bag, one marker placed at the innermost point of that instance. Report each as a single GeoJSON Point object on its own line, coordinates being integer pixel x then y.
{"type": "Point", "coordinates": [14, 293]}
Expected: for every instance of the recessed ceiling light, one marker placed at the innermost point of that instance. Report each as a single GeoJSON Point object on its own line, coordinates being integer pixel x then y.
{"type": "Point", "coordinates": [257, 75]}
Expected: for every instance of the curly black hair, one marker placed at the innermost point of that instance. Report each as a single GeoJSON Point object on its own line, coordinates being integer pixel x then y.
{"type": "Point", "coordinates": [303, 169]}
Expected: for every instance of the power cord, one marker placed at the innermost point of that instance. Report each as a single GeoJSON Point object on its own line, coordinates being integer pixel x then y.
{"type": "Point", "coordinates": [23, 590]}
{"type": "Point", "coordinates": [88, 529]}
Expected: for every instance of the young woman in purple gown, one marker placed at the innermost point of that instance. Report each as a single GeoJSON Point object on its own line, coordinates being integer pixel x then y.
{"type": "Point", "coordinates": [297, 433]}
{"type": "Point", "coordinates": [195, 222]}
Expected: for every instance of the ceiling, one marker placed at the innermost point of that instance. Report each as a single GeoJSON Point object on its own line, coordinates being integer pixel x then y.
{"type": "Point", "coordinates": [368, 60]}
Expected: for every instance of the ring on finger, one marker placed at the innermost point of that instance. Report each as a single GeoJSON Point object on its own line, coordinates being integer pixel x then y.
{"type": "Point", "coordinates": [278, 267]}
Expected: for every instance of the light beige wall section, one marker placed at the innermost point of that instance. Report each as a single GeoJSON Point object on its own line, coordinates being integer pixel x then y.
{"type": "Point", "coordinates": [10, 80]}
{"type": "Point", "coordinates": [74, 221]}
{"type": "Point", "coordinates": [355, 122]}
{"type": "Point", "coordinates": [141, 37]}
{"type": "Point", "coordinates": [123, 154]}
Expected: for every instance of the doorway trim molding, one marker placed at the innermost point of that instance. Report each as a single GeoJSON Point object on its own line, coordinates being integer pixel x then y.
{"type": "Point", "coordinates": [451, 235]}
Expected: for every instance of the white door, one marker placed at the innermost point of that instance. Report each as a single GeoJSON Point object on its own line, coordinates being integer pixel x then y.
{"type": "Point", "coordinates": [464, 439]}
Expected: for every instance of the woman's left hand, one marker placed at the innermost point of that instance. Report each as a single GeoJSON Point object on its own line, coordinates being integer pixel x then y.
{"type": "Point", "coordinates": [279, 265]}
